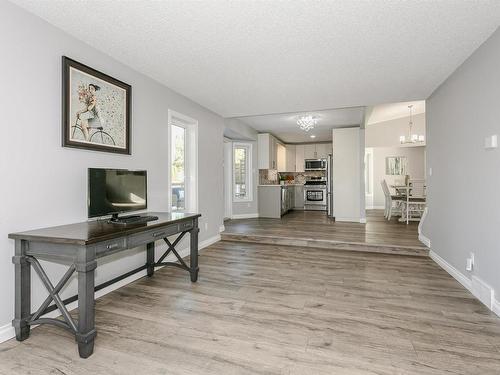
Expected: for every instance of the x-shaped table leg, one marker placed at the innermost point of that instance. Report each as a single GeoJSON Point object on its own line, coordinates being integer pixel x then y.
{"type": "Point", "coordinates": [53, 296]}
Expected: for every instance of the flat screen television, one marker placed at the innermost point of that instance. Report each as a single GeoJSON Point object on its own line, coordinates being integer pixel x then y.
{"type": "Point", "coordinates": [115, 191]}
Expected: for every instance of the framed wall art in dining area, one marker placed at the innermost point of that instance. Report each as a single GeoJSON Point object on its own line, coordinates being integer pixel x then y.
{"type": "Point", "coordinates": [396, 165]}
{"type": "Point", "coordinates": [95, 109]}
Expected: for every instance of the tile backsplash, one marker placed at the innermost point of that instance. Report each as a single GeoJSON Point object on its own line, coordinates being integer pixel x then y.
{"type": "Point", "coordinates": [271, 176]}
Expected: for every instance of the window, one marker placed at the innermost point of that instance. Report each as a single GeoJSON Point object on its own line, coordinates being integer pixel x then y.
{"type": "Point", "coordinates": [183, 145]}
{"type": "Point", "coordinates": [178, 172]}
{"type": "Point", "coordinates": [242, 171]}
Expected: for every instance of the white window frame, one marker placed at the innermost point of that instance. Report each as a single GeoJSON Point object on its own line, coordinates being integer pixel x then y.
{"type": "Point", "coordinates": [191, 160]}
{"type": "Point", "coordinates": [228, 178]}
{"type": "Point", "coordinates": [249, 177]}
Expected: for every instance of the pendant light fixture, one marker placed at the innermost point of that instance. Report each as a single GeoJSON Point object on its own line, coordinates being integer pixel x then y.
{"type": "Point", "coordinates": [411, 138]}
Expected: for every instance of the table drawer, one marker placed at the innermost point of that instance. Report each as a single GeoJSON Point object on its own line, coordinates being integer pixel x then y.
{"type": "Point", "coordinates": [111, 246]}
{"type": "Point", "coordinates": [152, 235]}
{"type": "Point", "coordinates": [186, 226]}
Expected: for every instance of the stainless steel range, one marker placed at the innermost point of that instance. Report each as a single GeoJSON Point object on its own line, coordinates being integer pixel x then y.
{"type": "Point", "coordinates": [315, 194]}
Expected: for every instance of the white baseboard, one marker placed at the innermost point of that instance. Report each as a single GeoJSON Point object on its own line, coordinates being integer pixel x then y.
{"type": "Point", "coordinates": [222, 228]}
{"type": "Point", "coordinates": [457, 275]}
{"type": "Point", "coordinates": [496, 307]}
{"type": "Point", "coordinates": [375, 207]}
{"type": "Point", "coordinates": [245, 216]}
{"type": "Point", "coordinates": [479, 289]}
{"type": "Point", "coordinates": [426, 241]}
{"type": "Point", "coordinates": [362, 220]}
{"type": "Point", "coordinates": [349, 219]}
{"type": "Point", "coordinates": [7, 332]}
{"type": "Point", "coordinates": [482, 291]}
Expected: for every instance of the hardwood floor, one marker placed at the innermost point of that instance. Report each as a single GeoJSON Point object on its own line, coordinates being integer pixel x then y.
{"type": "Point", "coordinates": [266, 309]}
{"type": "Point", "coordinates": [315, 229]}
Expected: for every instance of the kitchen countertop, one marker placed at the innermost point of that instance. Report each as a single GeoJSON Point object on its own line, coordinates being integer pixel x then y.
{"type": "Point", "coordinates": [281, 185]}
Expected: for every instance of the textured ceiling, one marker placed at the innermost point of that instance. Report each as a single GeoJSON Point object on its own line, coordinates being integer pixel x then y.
{"type": "Point", "coordinates": [257, 57]}
{"type": "Point", "coordinates": [285, 127]}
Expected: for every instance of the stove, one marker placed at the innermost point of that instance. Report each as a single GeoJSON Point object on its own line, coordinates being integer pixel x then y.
{"type": "Point", "coordinates": [315, 194]}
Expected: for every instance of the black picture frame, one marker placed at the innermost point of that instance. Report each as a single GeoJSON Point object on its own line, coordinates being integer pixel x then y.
{"type": "Point", "coordinates": [104, 141]}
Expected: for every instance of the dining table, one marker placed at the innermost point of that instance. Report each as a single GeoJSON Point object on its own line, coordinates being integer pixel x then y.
{"type": "Point", "coordinates": [405, 191]}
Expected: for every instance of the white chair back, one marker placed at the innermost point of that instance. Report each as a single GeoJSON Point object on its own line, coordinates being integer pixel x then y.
{"type": "Point", "coordinates": [418, 188]}
{"type": "Point", "coordinates": [385, 188]}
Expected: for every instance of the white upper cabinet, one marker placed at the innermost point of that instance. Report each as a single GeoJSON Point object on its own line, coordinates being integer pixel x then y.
{"type": "Point", "coordinates": [268, 151]}
{"type": "Point", "coordinates": [290, 158]}
{"type": "Point", "coordinates": [317, 150]}
{"type": "Point", "coordinates": [281, 158]}
{"type": "Point", "coordinates": [310, 151]}
{"type": "Point", "coordinates": [321, 151]}
{"type": "Point", "coordinates": [299, 158]}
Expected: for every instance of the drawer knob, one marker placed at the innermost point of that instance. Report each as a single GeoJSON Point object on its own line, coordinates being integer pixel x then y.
{"type": "Point", "coordinates": [112, 246]}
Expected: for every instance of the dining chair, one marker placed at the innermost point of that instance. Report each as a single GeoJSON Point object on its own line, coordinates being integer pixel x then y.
{"type": "Point", "coordinates": [392, 202]}
{"type": "Point", "coordinates": [414, 204]}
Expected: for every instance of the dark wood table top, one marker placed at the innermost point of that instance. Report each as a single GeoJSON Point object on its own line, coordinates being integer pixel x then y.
{"type": "Point", "coordinates": [89, 232]}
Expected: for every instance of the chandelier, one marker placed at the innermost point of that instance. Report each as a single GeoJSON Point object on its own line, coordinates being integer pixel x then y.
{"type": "Point", "coordinates": [307, 122]}
{"type": "Point", "coordinates": [411, 138]}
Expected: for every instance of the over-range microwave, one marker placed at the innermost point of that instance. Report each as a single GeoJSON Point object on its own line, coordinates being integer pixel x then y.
{"type": "Point", "coordinates": [315, 165]}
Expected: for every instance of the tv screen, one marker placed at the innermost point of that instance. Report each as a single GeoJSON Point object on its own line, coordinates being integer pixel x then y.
{"type": "Point", "coordinates": [113, 191]}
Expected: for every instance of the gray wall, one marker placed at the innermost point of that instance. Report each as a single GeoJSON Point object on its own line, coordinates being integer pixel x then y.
{"type": "Point", "coordinates": [464, 189]}
{"type": "Point", "coordinates": [43, 184]}
{"type": "Point", "coordinates": [416, 168]}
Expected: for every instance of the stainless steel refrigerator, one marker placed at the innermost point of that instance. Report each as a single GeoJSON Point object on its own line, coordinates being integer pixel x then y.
{"type": "Point", "coordinates": [329, 187]}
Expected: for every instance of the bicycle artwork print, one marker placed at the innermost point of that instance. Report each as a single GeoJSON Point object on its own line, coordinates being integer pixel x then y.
{"type": "Point", "coordinates": [96, 109]}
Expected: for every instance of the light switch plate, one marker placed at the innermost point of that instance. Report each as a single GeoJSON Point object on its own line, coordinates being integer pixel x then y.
{"type": "Point", "coordinates": [491, 142]}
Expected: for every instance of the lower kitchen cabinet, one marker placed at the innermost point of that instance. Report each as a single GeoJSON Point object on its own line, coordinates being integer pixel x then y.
{"type": "Point", "coordinates": [298, 197]}
{"type": "Point", "coordinates": [277, 200]}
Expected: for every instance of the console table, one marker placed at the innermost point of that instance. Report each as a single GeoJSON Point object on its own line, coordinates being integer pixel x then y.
{"type": "Point", "coordinates": [80, 245]}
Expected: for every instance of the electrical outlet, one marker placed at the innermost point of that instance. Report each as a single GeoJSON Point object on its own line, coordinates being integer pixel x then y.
{"type": "Point", "coordinates": [430, 171]}
{"type": "Point", "coordinates": [206, 227]}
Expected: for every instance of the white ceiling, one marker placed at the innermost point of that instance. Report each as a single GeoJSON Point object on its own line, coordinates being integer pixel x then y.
{"type": "Point", "coordinates": [284, 126]}
{"type": "Point", "coordinates": [392, 111]}
{"type": "Point", "coordinates": [257, 57]}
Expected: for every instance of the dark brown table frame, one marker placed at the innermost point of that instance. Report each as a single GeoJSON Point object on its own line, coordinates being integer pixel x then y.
{"type": "Point", "coordinates": [80, 245]}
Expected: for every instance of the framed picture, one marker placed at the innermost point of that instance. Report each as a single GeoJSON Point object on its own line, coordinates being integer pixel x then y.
{"type": "Point", "coordinates": [396, 165]}
{"type": "Point", "coordinates": [95, 109]}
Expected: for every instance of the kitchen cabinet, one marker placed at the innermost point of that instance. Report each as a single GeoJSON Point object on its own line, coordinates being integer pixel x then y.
{"type": "Point", "coordinates": [299, 158]}
{"type": "Point", "coordinates": [310, 151]}
{"type": "Point", "coordinates": [282, 167]}
{"type": "Point", "coordinates": [298, 203]}
{"type": "Point", "coordinates": [276, 200]}
{"type": "Point", "coordinates": [321, 151]}
{"type": "Point", "coordinates": [290, 159]}
{"type": "Point", "coordinates": [317, 150]}
{"type": "Point", "coordinates": [268, 151]}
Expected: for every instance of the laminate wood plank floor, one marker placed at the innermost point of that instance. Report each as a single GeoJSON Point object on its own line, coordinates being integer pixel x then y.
{"type": "Point", "coordinates": [266, 309]}
{"type": "Point", "coordinates": [315, 229]}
